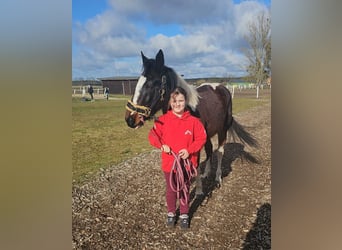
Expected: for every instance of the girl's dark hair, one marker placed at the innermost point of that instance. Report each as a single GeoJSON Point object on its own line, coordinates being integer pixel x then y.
{"type": "Point", "coordinates": [177, 91]}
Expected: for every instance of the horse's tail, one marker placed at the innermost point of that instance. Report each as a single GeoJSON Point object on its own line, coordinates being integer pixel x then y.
{"type": "Point", "coordinates": [238, 130]}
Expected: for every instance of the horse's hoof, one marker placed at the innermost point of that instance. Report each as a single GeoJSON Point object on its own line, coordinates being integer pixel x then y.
{"type": "Point", "coordinates": [218, 183]}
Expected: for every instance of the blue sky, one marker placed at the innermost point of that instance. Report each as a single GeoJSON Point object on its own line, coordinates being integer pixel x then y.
{"type": "Point", "coordinates": [199, 38]}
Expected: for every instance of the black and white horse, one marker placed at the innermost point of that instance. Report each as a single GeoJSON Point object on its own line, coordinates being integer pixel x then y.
{"type": "Point", "coordinates": [212, 103]}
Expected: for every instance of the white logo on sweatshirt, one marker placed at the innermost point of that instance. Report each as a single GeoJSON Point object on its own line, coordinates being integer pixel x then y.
{"type": "Point", "coordinates": [188, 132]}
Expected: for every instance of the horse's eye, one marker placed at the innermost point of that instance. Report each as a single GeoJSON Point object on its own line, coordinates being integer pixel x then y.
{"type": "Point", "coordinates": [152, 84]}
{"type": "Point", "coordinates": [149, 84]}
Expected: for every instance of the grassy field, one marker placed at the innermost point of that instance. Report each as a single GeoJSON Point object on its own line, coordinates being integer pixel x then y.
{"type": "Point", "coordinates": [101, 138]}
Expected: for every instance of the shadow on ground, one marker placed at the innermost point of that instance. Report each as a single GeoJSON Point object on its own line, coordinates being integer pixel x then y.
{"type": "Point", "coordinates": [259, 237]}
{"type": "Point", "coordinates": [232, 151]}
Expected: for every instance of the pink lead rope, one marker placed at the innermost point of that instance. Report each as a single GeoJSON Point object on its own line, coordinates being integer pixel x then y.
{"type": "Point", "coordinates": [177, 175]}
{"type": "Point", "coordinates": [177, 182]}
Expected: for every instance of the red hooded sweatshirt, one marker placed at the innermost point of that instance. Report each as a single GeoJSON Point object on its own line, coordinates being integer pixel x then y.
{"type": "Point", "coordinates": [185, 132]}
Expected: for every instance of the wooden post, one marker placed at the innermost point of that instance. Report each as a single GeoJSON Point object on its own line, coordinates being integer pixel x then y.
{"type": "Point", "coordinates": [123, 88]}
{"type": "Point", "coordinates": [257, 91]}
{"type": "Point", "coordinates": [129, 86]}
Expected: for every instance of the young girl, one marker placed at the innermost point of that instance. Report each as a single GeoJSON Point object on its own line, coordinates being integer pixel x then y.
{"type": "Point", "coordinates": [184, 135]}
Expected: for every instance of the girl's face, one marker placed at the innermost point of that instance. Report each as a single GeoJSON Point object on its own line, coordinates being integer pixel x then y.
{"type": "Point", "coordinates": [178, 104]}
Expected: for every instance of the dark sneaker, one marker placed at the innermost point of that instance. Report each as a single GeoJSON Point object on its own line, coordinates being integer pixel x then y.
{"type": "Point", "coordinates": [184, 221]}
{"type": "Point", "coordinates": [171, 219]}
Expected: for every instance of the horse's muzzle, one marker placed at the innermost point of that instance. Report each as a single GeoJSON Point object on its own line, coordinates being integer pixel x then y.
{"type": "Point", "coordinates": [136, 114]}
{"type": "Point", "coordinates": [130, 122]}
{"type": "Point", "coordinates": [134, 120]}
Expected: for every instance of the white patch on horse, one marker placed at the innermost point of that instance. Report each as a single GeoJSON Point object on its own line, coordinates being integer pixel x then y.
{"type": "Point", "coordinates": [140, 84]}
{"type": "Point", "coordinates": [221, 149]}
{"type": "Point", "coordinates": [191, 92]}
{"type": "Point", "coordinates": [212, 84]}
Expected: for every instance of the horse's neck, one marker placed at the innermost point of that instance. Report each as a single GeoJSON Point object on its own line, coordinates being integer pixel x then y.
{"type": "Point", "coordinates": [195, 113]}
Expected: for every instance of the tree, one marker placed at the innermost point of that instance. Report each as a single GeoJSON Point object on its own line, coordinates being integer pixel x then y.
{"type": "Point", "coordinates": [258, 53]}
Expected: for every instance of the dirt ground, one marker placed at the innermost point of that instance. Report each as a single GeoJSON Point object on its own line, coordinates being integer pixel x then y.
{"type": "Point", "coordinates": [124, 207]}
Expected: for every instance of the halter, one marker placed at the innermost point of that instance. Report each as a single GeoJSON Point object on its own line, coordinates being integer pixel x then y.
{"type": "Point", "coordinates": [143, 110]}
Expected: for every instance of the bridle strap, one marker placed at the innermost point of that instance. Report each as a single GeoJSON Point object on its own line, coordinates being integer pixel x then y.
{"type": "Point", "coordinates": [141, 110]}
{"type": "Point", "coordinates": [162, 89]}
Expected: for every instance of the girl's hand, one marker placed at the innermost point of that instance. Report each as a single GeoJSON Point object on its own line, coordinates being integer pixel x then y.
{"type": "Point", "coordinates": [183, 153]}
{"type": "Point", "coordinates": [165, 148]}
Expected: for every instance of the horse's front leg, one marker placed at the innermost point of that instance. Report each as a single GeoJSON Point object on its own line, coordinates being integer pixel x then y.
{"type": "Point", "coordinates": [218, 178]}
{"type": "Point", "coordinates": [199, 187]}
{"type": "Point", "coordinates": [209, 152]}
{"type": "Point", "coordinates": [207, 168]}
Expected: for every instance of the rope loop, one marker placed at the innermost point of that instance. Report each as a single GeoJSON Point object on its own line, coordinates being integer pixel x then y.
{"type": "Point", "coordinates": [182, 171]}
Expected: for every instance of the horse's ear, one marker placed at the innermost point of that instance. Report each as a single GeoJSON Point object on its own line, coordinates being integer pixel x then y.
{"type": "Point", "coordinates": [144, 58]}
{"type": "Point", "coordinates": [160, 59]}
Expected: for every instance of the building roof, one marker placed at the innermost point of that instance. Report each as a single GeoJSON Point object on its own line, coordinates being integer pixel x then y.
{"type": "Point", "coordinates": [118, 78]}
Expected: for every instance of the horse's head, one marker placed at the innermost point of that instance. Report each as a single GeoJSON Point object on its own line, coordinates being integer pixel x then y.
{"type": "Point", "coordinates": [152, 92]}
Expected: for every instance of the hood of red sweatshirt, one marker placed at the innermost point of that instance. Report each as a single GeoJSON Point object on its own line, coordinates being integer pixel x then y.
{"type": "Point", "coordinates": [184, 116]}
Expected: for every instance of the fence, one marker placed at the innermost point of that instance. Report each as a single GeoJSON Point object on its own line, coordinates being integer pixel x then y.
{"type": "Point", "coordinates": [83, 90]}
{"type": "Point", "coordinates": [236, 91]}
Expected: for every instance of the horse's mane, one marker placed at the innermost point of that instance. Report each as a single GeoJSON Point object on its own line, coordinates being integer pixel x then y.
{"type": "Point", "coordinates": [191, 92]}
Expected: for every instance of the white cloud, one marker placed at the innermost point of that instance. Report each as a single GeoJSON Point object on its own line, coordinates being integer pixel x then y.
{"type": "Point", "coordinates": [210, 43]}
{"type": "Point", "coordinates": [185, 12]}
{"type": "Point", "coordinates": [182, 46]}
{"type": "Point", "coordinates": [244, 13]}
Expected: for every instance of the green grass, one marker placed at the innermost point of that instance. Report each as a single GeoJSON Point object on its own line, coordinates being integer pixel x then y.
{"type": "Point", "coordinates": [101, 137]}
{"type": "Point", "coordinates": [242, 104]}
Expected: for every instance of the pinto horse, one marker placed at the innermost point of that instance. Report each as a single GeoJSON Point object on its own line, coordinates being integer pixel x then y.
{"type": "Point", "coordinates": [212, 103]}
